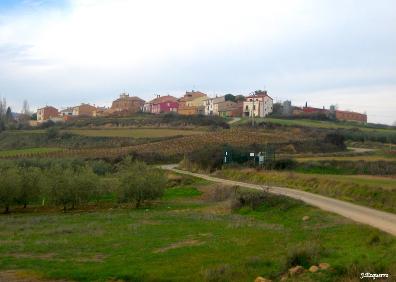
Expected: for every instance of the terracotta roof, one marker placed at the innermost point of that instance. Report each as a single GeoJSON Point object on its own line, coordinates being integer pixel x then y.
{"type": "Point", "coordinates": [129, 98]}
{"type": "Point", "coordinates": [163, 99]}
{"type": "Point", "coordinates": [48, 107]}
{"type": "Point", "coordinates": [189, 96]}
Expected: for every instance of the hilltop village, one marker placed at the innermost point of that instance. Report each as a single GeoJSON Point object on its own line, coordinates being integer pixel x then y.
{"type": "Point", "coordinates": [257, 104]}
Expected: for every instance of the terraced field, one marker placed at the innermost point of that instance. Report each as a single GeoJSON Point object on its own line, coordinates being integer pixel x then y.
{"type": "Point", "coordinates": [134, 132]}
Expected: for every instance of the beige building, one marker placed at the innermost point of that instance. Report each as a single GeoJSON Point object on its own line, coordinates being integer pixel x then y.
{"type": "Point", "coordinates": [192, 103]}
{"type": "Point", "coordinates": [211, 105]}
{"type": "Point", "coordinates": [258, 105]}
{"type": "Point", "coordinates": [84, 110]}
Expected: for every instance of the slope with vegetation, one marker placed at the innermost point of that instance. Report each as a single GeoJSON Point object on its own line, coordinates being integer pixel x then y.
{"type": "Point", "coordinates": [211, 232]}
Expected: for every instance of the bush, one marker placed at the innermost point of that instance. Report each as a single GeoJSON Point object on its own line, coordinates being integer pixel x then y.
{"type": "Point", "coordinates": [53, 132]}
{"type": "Point", "coordinates": [140, 183]}
{"type": "Point", "coordinates": [304, 255]}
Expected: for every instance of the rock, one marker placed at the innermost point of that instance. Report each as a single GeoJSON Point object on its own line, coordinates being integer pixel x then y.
{"type": "Point", "coordinates": [262, 279]}
{"type": "Point", "coordinates": [313, 269]}
{"type": "Point", "coordinates": [296, 270]}
{"type": "Point", "coordinates": [324, 265]}
{"type": "Point", "coordinates": [306, 218]}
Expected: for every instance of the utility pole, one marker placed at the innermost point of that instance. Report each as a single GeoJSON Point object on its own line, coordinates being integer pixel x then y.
{"type": "Point", "coordinates": [254, 95]}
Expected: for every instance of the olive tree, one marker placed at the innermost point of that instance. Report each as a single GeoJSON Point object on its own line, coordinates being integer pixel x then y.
{"type": "Point", "coordinates": [139, 183]}
{"type": "Point", "coordinates": [69, 188]}
{"type": "Point", "coordinates": [29, 185]}
{"type": "Point", "coordinates": [9, 187]}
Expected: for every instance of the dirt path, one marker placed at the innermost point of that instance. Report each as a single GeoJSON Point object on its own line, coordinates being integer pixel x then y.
{"type": "Point", "coordinates": [378, 219]}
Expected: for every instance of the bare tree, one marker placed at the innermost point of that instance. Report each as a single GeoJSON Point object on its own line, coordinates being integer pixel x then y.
{"type": "Point", "coordinates": [25, 108]}
{"type": "Point", "coordinates": [25, 113]}
{"type": "Point", "coordinates": [3, 107]}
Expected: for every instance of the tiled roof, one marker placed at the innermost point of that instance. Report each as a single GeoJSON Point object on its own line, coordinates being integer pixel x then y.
{"type": "Point", "coordinates": [163, 99]}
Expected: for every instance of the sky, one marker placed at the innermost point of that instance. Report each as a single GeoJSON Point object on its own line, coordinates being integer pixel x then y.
{"type": "Point", "coordinates": [67, 52]}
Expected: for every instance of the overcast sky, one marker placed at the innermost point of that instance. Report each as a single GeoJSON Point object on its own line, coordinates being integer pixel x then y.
{"type": "Point", "coordinates": [325, 52]}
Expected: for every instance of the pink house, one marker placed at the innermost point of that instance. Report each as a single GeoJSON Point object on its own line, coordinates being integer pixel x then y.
{"type": "Point", "coordinates": [164, 104]}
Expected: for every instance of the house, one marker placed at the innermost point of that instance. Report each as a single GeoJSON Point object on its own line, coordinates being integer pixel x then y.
{"type": "Point", "coordinates": [100, 111]}
{"type": "Point", "coordinates": [164, 104]}
{"type": "Point", "coordinates": [350, 116]}
{"type": "Point", "coordinates": [147, 107]}
{"type": "Point", "coordinates": [258, 105]}
{"type": "Point", "coordinates": [229, 109]}
{"type": "Point", "coordinates": [192, 103]}
{"type": "Point", "coordinates": [311, 110]}
{"type": "Point", "coordinates": [84, 110]}
{"type": "Point", "coordinates": [210, 103]}
{"type": "Point", "coordinates": [47, 113]}
{"type": "Point", "coordinates": [66, 112]}
{"type": "Point", "coordinates": [127, 104]}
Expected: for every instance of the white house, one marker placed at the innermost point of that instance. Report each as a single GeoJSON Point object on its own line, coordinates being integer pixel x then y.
{"type": "Point", "coordinates": [209, 104]}
{"type": "Point", "coordinates": [259, 105]}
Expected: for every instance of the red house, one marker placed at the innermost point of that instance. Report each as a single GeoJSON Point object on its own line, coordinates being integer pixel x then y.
{"type": "Point", "coordinates": [164, 104]}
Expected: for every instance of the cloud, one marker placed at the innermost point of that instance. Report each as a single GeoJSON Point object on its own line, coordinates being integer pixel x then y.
{"type": "Point", "coordinates": [91, 50]}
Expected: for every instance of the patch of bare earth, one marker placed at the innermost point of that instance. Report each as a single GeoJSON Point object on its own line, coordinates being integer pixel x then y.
{"type": "Point", "coordinates": [23, 276]}
{"type": "Point", "coordinates": [177, 245]}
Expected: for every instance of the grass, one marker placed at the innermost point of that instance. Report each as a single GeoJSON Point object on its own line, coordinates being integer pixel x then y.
{"type": "Point", "coordinates": [183, 238]}
{"type": "Point", "coordinates": [372, 191]}
{"type": "Point", "coordinates": [181, 192]}
{"type": "Point", "coordinates": [29, 151]}
{"type": "Point", "coordinates": [134, 132]}
{"type": "Point", "coordinates": [348, 158]}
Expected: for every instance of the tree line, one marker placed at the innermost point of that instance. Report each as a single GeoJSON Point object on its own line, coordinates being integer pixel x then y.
{"type": "Point", "coordinates": [70, 186]}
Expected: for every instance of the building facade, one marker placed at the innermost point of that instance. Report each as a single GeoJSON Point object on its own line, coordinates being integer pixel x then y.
{"type": "Point", "coordinates": [164, 104]}
{"type": "Point", "coordinates": [258, 105]}
{"type": "Point", "coordinates": [84, 110]}
{"type": "Point", "coordinates": [47, 113]}
{"type": "Point", "coordinates": [192, 103]}
{"type": "Point", "coordinates": [210, 108]}
{"type": "Point", "coordinates": [351, 116]}
{"type": "Point", "coordinates": [229, 109]}
{"type": "Point", "coordinates": [127, 104]}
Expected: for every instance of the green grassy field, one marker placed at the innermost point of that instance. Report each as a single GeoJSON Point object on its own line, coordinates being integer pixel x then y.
{"type": "Point", "coordinates": [316, 124]}
{"type": "Point", "coordinates": [188, 236]}
{"type": "Point", "coordinates": [30, 151]}
{"type": "Point", "coordinates": [371, 191]}
{"type": "Point", "coordinates": [134, 132]}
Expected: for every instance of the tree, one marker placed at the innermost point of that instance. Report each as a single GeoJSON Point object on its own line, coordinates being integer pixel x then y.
{"type": "Point", "coordinates": [30, 185]}
{"type": "Point", "coordinates": [25, 113]}
{"type": "Point", "coordinates": [69, 188]}
{"type": "Point", "coordinates": [3, 108]}
{"type": "Point", "coordinates": [25, 108]}
{"type": "Point", "coordinates": [140, 183]}
{"type": "Point", "coordinates": [9, 187]}
{"type": "Point", "coordinates": [229, 97]}
{"type": "Point", "coordinates": [8, 115]}
{"type": "Point", "coordinates": [239, 98]}
{"type": "Point", "coordinates": [59, 183]}
{"type": "Point", "coordinates": [84, 187]}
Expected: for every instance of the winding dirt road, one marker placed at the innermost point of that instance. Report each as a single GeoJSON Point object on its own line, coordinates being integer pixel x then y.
{"type": "Point", "coordinates": [375, 218]}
